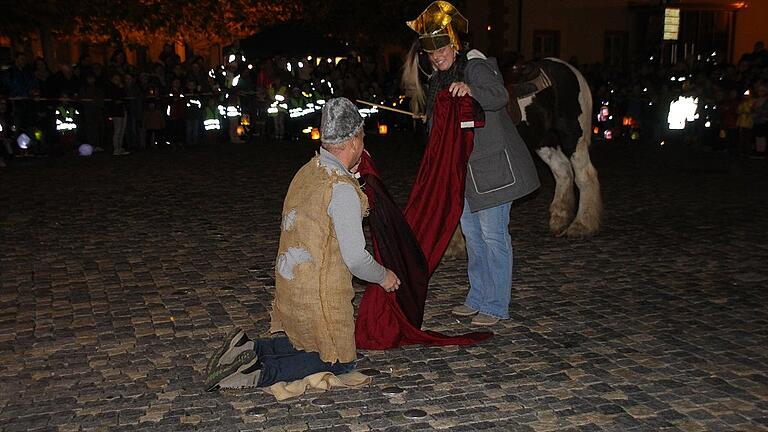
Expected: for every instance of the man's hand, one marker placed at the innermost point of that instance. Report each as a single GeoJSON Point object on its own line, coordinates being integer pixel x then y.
{"type": "Point", "coordinates": [391, 281]}
{"type": "Point", "coordinates": [459, 89]}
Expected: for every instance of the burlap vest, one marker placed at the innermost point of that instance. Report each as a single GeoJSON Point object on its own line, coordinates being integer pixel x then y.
{"type": "Point", "coordinates": [313, 299]}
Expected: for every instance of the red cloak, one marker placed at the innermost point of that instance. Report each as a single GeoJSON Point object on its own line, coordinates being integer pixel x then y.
{"type": "Point", "coordinates": [411, 243]}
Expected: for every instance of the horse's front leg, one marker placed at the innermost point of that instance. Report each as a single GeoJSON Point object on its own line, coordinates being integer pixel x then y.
{"type": "Point", "coordinates": [564, 202]}
{"type": "Point", "coordinates": [457, 248]}
{"type": "Point", "coordinates": [588, 217]}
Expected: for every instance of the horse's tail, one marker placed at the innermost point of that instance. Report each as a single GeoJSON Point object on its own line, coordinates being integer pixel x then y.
{"type": "Point", "coordinates": [411, 82]}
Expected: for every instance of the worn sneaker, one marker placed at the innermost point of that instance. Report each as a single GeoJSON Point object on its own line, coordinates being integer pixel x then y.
{"type": "Point", "coordinates": [246, 376]}
{"type": "Point", "coordinates": [484, 320]}
{"type": "Point", "coordinates": [221, 372]}
{"type": "Point", "coordinates": [463, 310]}
{"type": "Point", "coordinates": [235, 343]}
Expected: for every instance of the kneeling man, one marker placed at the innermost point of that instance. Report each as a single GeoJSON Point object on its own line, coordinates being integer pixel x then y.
{"type": "Point", "coordinates": [321, 247]}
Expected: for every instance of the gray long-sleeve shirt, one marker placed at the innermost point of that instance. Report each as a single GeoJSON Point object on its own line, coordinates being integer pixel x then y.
{"type": "Point", "coordinates": [346, 213]}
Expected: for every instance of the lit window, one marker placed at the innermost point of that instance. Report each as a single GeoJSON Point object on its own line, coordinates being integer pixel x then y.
{"type": "Point", "coordinates": [671, 23]}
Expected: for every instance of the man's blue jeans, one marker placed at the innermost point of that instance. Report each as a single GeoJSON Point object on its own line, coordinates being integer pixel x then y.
{"type": "Point", "coordinates": [489, 259]}
{"type": "Point", "coordinates": [280, 361]}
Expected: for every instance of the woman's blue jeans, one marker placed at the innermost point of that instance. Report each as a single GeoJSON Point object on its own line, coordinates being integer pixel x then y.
{"type": "Point", "coordinates": [280, 361]}
{"type": "Point", "coordinates": [489, 259]}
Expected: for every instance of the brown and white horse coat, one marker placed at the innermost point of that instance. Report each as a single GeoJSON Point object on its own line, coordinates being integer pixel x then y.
{"type": "Point", "coordinates": [553, 104]}
{"type": "Point", "coordinates": [556, 122]}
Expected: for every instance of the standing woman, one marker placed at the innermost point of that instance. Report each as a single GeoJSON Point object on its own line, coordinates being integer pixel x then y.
{"type": "Point", "coordinates": [117, 111]}
{"type": "Point", "coordinates": [500, 167]}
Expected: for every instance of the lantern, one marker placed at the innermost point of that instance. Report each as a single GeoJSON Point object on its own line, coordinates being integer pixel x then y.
{"type": "Point", "coordinates": [382, 129]}
{"type": "Point", "coordinates": [240, 131]}
{"type": "Point", "coordinates": [604, 114]}
{"type": "Point", "coordinates": [245, 120]}
{"type": "Point", "coordinates": [23, 141]}
{"type": "Point", "coordinates": [85, 150]}
{"type": "Point", "coordinates": [681, 111]}
{"type": "Point", "coordinates": [315, 134]}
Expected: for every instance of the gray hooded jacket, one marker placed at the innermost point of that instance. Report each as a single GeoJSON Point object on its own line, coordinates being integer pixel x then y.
{"type": "Point", "coordinates": [500, 167]}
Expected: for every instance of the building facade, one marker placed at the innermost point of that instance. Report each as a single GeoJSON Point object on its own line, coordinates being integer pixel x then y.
{"type": "Point", "coordinates": [617, 31]}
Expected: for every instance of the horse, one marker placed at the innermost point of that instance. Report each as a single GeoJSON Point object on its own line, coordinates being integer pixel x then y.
{"type": "Point", "coordinates": [552, 103]}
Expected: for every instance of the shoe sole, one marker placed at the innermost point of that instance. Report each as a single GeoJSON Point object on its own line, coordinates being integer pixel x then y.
{"type": "Point", "coordinates": [239, 380]}
{"type": "Point", "coordinates": [464, 314]}
{"type": "Point", "coordinates": [485, 323]}
{"type": "Point", "coordinates": [226, 346]}
{"type": "Point", "coordinates": [222, 372]}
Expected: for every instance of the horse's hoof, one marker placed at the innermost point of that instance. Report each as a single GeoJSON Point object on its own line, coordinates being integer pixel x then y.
{"type": "Point", "coordinates": [579, 231]}
{"type": "Point", "coordinates": [558, 233]}
{"type": "Point", "coordinates": [557, 227]}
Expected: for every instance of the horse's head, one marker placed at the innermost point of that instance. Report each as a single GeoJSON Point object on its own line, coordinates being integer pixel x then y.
{"type": "Point", "coordinates": [522, 72]}
{"type": "Point", "coordinates": [515, 69]}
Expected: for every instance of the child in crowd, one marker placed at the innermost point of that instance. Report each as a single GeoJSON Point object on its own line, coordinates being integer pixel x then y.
{"type": "Point", "coordinates": [154, 119]}
{"type": "Point", "coordinates": [745, 124]}
{"type": "Point", "coordinates": [760, 117]}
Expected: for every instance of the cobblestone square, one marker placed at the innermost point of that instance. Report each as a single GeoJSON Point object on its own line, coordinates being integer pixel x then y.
{"type": "Point", "coordinates": [118, 276]}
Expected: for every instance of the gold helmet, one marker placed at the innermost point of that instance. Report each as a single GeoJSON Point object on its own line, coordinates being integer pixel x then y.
{"type": "Point", "coordinates": [437, 26]}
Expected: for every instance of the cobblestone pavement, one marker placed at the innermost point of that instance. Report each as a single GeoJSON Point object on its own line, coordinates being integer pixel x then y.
{"type": "Point", "coordinates": [118, 276]}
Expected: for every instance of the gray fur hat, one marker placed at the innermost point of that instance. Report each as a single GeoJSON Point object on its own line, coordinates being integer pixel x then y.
{"type": "Point", "coordinates": [340, 121]}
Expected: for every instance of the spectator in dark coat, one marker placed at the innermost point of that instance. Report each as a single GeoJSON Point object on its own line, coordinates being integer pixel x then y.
{"type": "Point", "coordinates": [64, 81]}
{"type": "Point", "coordinates": [92, 97]}
{"type": "Point", "coordinates": [134, 130]}
{"type": "Point", "coordinates": [116, 109]}
{"type": "Point", "coordinates": [22, 84]}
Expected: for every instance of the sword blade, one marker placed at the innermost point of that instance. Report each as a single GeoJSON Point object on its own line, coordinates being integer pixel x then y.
{"type": "Point", "coordinates": [388, 108]}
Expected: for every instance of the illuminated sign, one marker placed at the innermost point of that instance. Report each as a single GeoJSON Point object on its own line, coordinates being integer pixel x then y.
{"type": "Point", "coordinates": [671, 23]}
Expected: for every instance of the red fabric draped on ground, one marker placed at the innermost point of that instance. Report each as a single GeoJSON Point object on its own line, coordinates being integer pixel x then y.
{"type": "Point", "coordinates": [412, 243]}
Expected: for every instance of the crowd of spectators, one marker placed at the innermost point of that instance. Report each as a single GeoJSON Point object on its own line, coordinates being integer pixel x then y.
{"type": "Point", "coordinates": [732, 108]}
{"type": "Point", "coordinates": [170, 103]}
{"type": "Point", "coordinates": [123, 108]}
